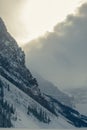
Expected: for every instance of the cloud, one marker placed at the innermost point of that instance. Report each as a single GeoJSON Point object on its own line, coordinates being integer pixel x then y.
{"type": "Point", "coordinates": [61, 56]}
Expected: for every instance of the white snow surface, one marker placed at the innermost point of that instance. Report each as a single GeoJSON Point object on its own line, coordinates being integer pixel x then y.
{"type": "Point", "coordinates": [20, 101]}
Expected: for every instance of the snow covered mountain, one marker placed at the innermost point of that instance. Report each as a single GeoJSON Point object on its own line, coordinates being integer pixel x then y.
{"type": "Point", "coordinates": [23, 103]}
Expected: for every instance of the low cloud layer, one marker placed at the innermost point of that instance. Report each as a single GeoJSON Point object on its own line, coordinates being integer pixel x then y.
{"type": "Point", "coordinates": [61, 56]}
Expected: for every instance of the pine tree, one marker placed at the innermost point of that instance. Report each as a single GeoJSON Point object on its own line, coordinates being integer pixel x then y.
{"type": "Point", "coordinates": [8, 88]}
{"type": "Point", "coordinates": [12, 109]}
{"type": "Point", "coordinates": [5, 112]}
{"type": "Point", "coordinates": [1, 93]}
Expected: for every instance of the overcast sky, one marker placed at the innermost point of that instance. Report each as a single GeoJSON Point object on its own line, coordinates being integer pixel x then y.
{"type": "Point", "coordinates": [61, 56]}
{"type": "Point", "coordinates": [27, 19]}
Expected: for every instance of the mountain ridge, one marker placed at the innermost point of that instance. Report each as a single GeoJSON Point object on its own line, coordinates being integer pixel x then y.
{"type": "Point", "coordinates": [19, 85]}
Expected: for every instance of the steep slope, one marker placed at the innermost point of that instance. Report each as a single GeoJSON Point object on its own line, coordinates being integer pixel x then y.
{"type": "Point", "coordinates": [14, 94]}
{"type": "Point", "coordinates": [21, 89]}
{"type": "Point", "coordinates": [6, 109]}
{"type": "Point", "coordinates": [13, 60]}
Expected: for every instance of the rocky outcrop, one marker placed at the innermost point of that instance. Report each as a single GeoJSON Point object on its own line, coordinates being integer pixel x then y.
{"type": "Point", "coordinates": [12, 61]}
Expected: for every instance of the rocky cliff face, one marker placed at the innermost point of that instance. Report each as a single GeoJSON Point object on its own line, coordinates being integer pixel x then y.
{"type": "Point", "coordinates": [9, 48]}
{"type": "Point", "coordinates": [12, 61]}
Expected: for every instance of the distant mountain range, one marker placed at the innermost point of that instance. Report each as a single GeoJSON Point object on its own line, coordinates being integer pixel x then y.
{"type": "Point", "coordinates": [80, 98]}
{"type": "Point", "coordinates": [50, 89]}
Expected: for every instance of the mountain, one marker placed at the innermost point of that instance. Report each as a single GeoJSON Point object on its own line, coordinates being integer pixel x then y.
{"type": "Point", "coordinates": [50, 89]}
{"type": "Point", "coordinates": [23, 103]}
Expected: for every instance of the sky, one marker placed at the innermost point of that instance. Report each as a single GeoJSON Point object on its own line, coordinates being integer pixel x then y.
{"type": "Point", "coordinates": [61, 56]}
{"type": "Point", "coordinates": [28, 19]}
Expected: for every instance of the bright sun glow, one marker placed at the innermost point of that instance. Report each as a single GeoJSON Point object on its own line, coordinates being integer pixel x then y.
{"type": "Point", "coordinates": [39, 16]}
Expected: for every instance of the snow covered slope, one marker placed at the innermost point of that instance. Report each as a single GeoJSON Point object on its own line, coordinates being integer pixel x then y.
{"type": "Point", "coordinates": [21, 101]}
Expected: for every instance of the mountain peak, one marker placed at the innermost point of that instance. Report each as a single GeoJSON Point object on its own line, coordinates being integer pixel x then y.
{"type": "Point", "coordinates": [2, 26]}
{"type": "Point", "coordinates": [9, 46]}
{"type": "Point", "coordinates": [12, 60]}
